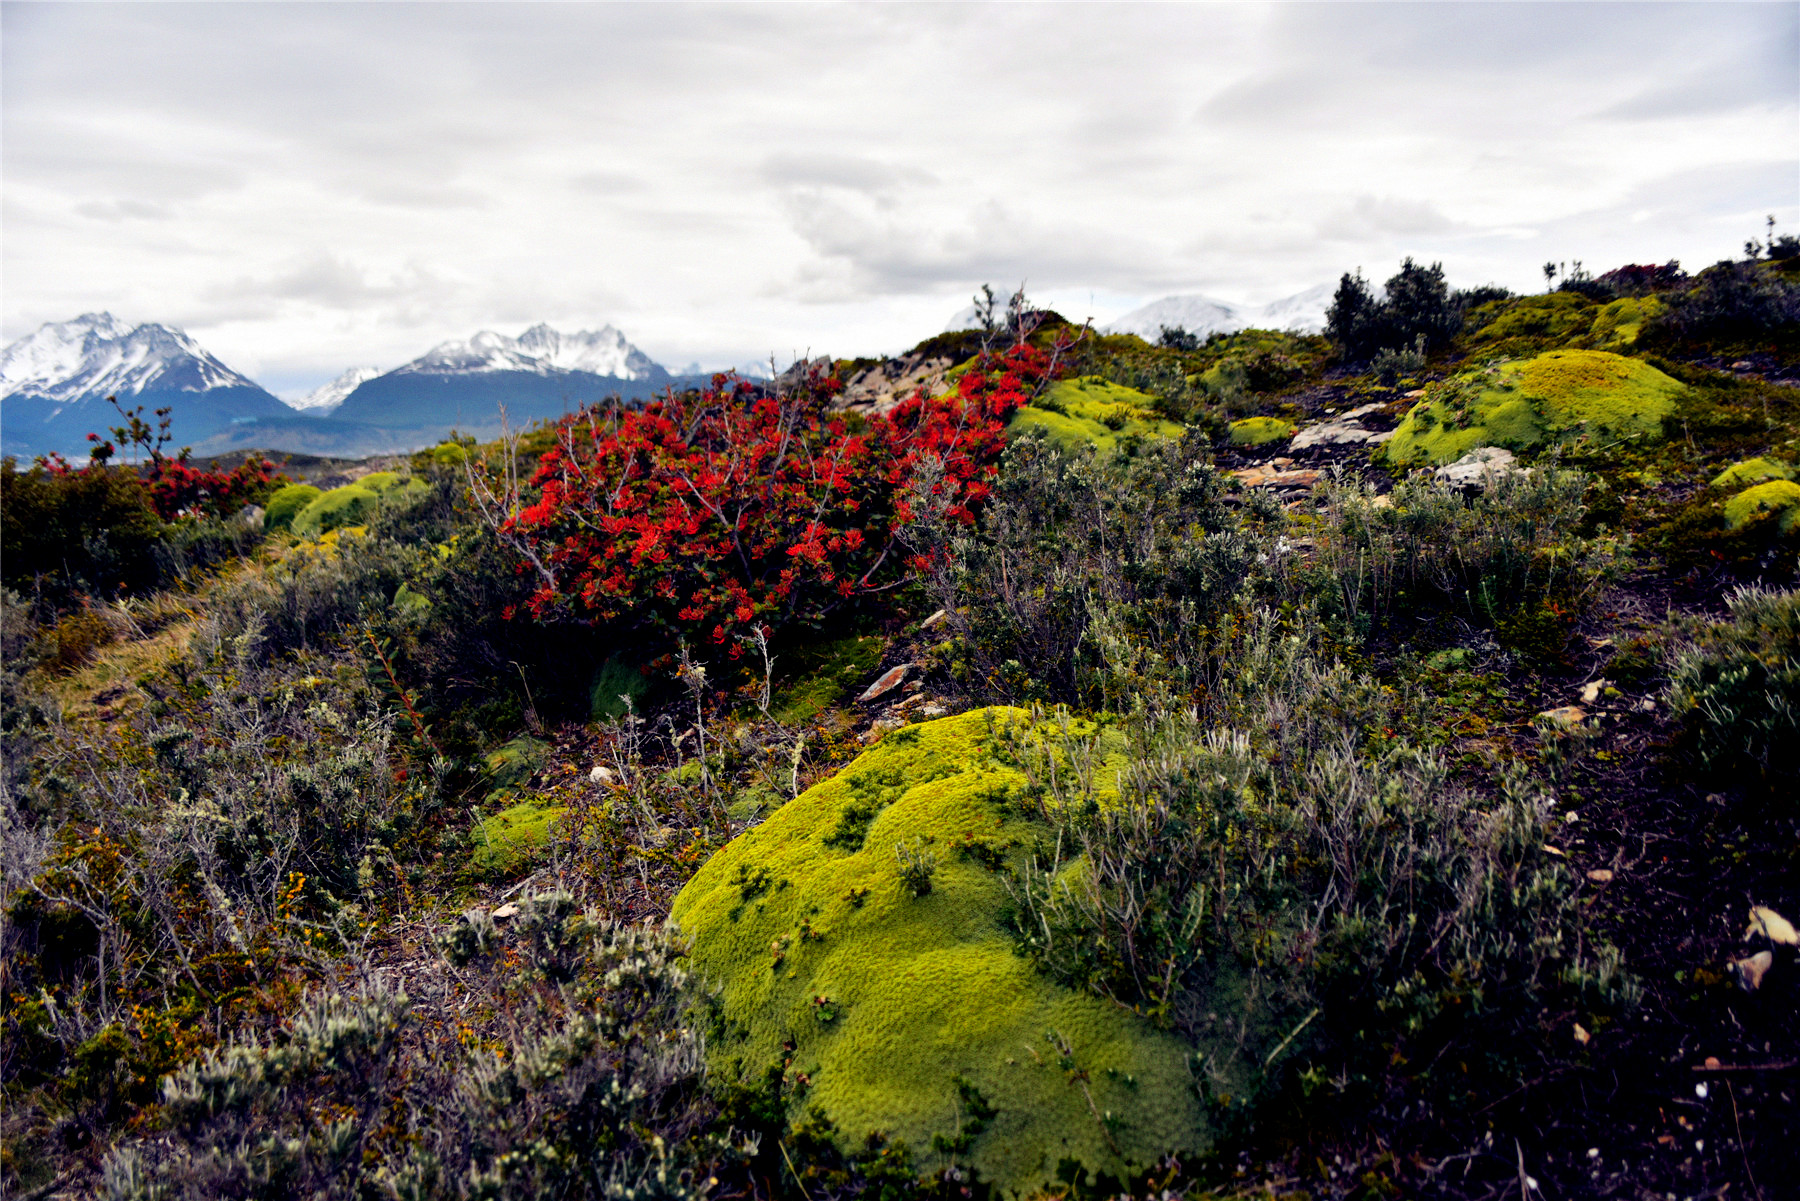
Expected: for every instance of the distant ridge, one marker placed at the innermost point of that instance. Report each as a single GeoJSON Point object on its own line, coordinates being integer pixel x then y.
{"type": "Point", "coordinates": [1303, 312]}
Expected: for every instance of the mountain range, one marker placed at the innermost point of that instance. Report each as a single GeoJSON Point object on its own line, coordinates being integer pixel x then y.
{"type": "Point", "coordinates": [56, 382]}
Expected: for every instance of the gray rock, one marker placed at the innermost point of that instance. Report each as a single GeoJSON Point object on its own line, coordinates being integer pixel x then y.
{"type": "Point", "coordinates": [1476, 468]}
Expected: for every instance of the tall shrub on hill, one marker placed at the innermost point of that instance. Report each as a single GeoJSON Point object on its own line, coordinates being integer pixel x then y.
{"type": "Point", "coordinates": [739, 506]}
{"type": "Point", "coordinates": [1415, 303]}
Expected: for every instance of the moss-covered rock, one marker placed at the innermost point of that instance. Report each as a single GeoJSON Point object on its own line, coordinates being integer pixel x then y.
{"type": "Point", "coordinates": [512, 764]}
{"type": "Point", "coordinates": [1586, 397]}
{"type": "Point", "coordinates": [379, 481]}
{"type": "Point", "coordinates": [815, 674]}
{"type": "Point", "coordinates": [1260, 431]}
{"type": "Point", "coordinates": [1075, 412]}
{"type": "Point", "coordinates": [1752, 471]}
{"type": "Point", "coordinates": [286, 503]}
{"type": "Point", "coordinates": [1775, 497]}
{"type": "Point", "coordinates": [348, 505]}
{"type": "Point", "coordinates": [892, 1004]}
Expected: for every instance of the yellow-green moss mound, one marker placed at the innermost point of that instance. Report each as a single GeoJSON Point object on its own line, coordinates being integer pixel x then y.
{"type": "Point", "coordinates": [1259, 431]}
{"type": "Point", "coordinates": [1752, 471]}
{"type": "Point", "coordinates": [1586, 397]}
{"type": "Point", "coordinates": [286, 504]}
{"type": "Point", "coordinates": [1076, 412]}
{"type": "Point", "coordinates": [348, 505]}
{"type": "Point", "coordinates": [1776, 496]}
{"type": "Point", "coordinates": [891, 1005]}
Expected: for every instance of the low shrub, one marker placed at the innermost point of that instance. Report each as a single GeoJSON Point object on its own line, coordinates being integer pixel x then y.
{"type": "Point", "coordinates": [1307, 903]}
{"type": "Point", "coordinates": [1517, 544]}
{"type": "Point", "coordinates": [1737, 690]}
{"type": "Point", "coordinates": [588, 1087]}
{"type": "Point", "coordinates": [1080, 560]}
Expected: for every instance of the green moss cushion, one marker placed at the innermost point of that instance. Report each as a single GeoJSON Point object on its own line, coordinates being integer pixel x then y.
{"type": "Point", "coordinates": [1076, 412]}
{"type": "Point", "coordinates": [1752, 471]}
{"type": "Point", "coordinates": [286, 503]}
{"type": "Point", "coordinates": [1590, 397]}
{"type": "Point", "coordinates": [339, 507]}
{"type": "Point", "coordinates": [511, 839]}
{"type": "Point", "coordinates": [891, 1004]}
{"type": "Point", "coordinates": [1776, 496]}
{"type": "Point", "coordinates": [1258, 431]}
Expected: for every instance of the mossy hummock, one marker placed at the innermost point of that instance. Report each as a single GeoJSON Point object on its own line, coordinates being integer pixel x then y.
{"type": "Point", "coordinates": [1566, 397]}
{"type": "Point", "coordinates": [1778, 497]}
{"type": "Point", "coordinates": [1077, 412]}
{"type": "Point", "coordinates": [1260, 431]}
{"type": "Point", "coordinates": [885, 1006]}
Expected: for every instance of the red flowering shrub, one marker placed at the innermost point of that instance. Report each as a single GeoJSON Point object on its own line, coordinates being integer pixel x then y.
{"type": "Point", "coordinates": [746, 506]}
{"type": "Point", "coordinates": [173, 488]}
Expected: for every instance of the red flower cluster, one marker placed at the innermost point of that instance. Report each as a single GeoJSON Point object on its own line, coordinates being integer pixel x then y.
{"type": "Point", "coordinates": [747, 506]}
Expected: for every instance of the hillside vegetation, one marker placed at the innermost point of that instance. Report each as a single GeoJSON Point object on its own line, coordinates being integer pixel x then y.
{"type": "Point", "coordinates": [1268, 765]}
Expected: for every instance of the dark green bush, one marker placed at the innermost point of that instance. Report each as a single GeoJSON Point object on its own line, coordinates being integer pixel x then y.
{"type": "Point", "coordinates": [1729, 304]}
{"type": "Point", "coordinates": [1415, 303]}
{"type": "Point", "coordinates": [77, 532]}
{"type": "Point", "coordinates": [1737, 691]}
{"type": "Point", "coordinates": [1429, 547]}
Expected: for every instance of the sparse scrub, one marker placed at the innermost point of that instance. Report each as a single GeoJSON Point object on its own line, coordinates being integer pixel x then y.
{"type": "Point", "coordinates": [1515, 544]}
{"type": "Point", "coordinates": [1080, 557]}
{"type": "Point", "coordinates": [583, 1082]}
{"type": "Point", "coordinates": [1738, 690]}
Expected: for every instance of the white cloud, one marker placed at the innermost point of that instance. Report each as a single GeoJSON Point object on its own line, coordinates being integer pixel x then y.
{"type": "Point", "coordinates": [313, 186]}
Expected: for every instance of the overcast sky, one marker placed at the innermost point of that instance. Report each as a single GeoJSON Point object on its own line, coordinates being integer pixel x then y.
{"type": "Point", "coordinates": [307, 187]}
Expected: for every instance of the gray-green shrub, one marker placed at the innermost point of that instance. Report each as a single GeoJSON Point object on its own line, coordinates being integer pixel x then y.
{"type": "Point", "coordinates": [585, 1083]}
{"type": "Point", "coordinates": [1737, 691]}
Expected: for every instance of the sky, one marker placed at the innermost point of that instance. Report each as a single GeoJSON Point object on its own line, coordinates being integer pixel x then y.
{"type": "Point", "coordinates": [310, 187]}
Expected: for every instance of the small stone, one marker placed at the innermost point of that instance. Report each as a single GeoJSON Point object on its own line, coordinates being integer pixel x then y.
{"type": "Point", "coordinates": [1591, 691]}
{"type": "Point", "coordinates": [1700, 1090]}
{"type": "Point", "coordinates": [1563, 717]}
{"type": "Point", "coordinates": [1581, 1035]}
{"type": "Point", "coordinates": [602, 774]}
{"type": "Point", "coordinates": [885, 683]}
{"type": "Point", "coordinates": [505, 911]}
{"type": "Point", "coordinates": [932, 709]}
{"type": "Point", "coordinates": [1601, 875]}
{"type": "Point", "coordinates": [1751, 969]}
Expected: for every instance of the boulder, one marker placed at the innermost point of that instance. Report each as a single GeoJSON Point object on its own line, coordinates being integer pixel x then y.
{"type": "Point", "coordinates": [1478, 467]}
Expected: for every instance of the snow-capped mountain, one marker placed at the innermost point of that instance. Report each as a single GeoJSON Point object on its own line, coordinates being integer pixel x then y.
{"type": "Point", "coordinates": [54, 384]}
{"type": "Point", "coordinates": [541, 351]}
{"type": "Point", "coordinates": [98, 354]}
{"type": "Point", "coordinates": [542, 373]}
{"type": "Point", "coordinates": [324, 399]}
{"type": "Point", "coordinates": [1303, 312]}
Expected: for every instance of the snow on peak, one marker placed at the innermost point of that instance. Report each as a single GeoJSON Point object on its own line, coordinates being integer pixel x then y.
{"type": "Point", "coordinates": [1303, 312]}
{"type": "Point", "coordinates": [540, 350]}
{"type": "Point", "coordinates": [325, 398]}
{"type": "Point", "coordinates": [96, 354]}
